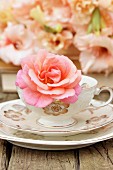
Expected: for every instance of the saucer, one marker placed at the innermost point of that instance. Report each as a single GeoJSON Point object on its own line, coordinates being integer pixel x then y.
{"type": "Point", "coordinates": [34, 141]}
{"type": "Point", "coordinates": [16, 116]}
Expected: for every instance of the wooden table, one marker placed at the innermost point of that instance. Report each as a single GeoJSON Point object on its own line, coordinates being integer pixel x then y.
{"type": "Point", "coordinates": [96, 157]}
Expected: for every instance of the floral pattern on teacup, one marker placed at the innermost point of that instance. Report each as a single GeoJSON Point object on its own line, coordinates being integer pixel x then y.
{"type": "Point", "coordinates": [14, 115]}
{"type": "Point", "coordinates": [97, 119]}
{"type": "Point", "coordinates": [56, 108]}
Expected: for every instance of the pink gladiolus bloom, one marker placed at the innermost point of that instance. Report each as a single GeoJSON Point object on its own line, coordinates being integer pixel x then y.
{"type": "Point", "coordinates": [46, 77]}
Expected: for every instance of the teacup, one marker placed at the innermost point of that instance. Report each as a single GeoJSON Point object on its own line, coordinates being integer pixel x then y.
{"type": "Point", "coordinates": [59, 114]}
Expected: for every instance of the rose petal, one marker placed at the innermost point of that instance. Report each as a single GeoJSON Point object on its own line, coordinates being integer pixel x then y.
{"type": "Point", "coordinates": [30, 96]}
{"type": "Point", "coordinates": [28, 82]}
{"type": "Point", "coordinates": [75, 79]}
{"type": "Point", "coordinates": [36, 99]}
{"type": "Point", "coordinates": [44, 101]}
{"type": "Point", "coordinates": [78, 89]}
{"type": "Point", "coordinates": [20, 81]}
{"type": "Point", "coordinates": [35, 79]}
{"type": "Point", "coordinates": [71, 99]}
{"type": "Point", "coordinates": [62, 83]}
{"type": "Point", "coordinates": [29, 61]}
{"type": "Point", "coordinates": [39, 60]}
{"type": "Point", "coordinates": [54, 75]}
{"type": "Point", "coordinates": [68, 93]}
{"type": "Point", "coordinates": [54, 91]}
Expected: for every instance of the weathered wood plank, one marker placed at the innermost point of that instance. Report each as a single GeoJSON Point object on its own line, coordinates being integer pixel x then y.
{"type": "Point", "coordinates": [27, 159]}
{"type": "Point", "coordinates": [5, 147]}
{"type": "Point", "coordinates": [97, 157]}
{"type": "Point", "coordinates": [5, 152]}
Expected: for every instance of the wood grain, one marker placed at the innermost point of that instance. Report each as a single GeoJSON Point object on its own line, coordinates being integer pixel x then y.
{"type": "Point", "coordinates": [97, 157]}
{"type": "Point", "coordinates": [5, 147]}
{"type": "Point", "coordinates": [5, 152]}
{"type": "Point", "coordinates": [27, 159]}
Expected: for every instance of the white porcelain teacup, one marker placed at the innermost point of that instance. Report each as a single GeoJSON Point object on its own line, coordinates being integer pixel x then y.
{"type": "Point", "coordinates": [59, 114]}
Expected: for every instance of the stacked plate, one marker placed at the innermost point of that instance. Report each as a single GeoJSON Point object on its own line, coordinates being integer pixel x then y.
{"type": "Point", "coordinates": [92, 125]}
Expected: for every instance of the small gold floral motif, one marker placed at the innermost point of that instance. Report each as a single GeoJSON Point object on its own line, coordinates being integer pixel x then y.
{"type": "Point", "coordinates": [96, 119]}
{"type": "Point", "coordinates": [56, 108]}
{"type": "Point", "coordinates": [11, 114]}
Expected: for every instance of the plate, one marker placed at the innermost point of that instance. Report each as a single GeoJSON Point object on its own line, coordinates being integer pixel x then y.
{"type": "Point", "coordinates": [39, 147]}
{"type": "Point", "coordinates": [35, 141]}
{"type": "Point", "coordinates": [15, 115]}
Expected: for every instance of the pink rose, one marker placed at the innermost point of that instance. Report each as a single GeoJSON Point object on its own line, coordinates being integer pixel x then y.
{"type": "Point", "coordinates": [46, 77]}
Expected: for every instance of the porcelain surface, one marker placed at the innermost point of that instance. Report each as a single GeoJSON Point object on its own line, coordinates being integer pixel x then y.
{"type": "Point", "coordinates": [39, 147]}
{"type": "Point", "coordinates": [56, 143]}
{"type": "Point", "coordinates": [16, 116]}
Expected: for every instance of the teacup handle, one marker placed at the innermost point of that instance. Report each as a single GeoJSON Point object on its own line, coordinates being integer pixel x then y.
{"type": "Point", "coordinates": [98, 91]}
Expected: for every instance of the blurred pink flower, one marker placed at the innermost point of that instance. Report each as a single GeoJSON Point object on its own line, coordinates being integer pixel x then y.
{"type": "Point", "coordinates": [97, 55]}
{"type": "Point", "coordinates": [48, 4]}
{"type": "Point", "coordinates": [56, 43]}
{"type": "Point", "coordinates": [99, 18]}
{"type": "Point", "coordinates": [57, 11]}
{"type": "Point", "coordinates": [53, 13]}
{"type": "Point", "coordinates": [5, 13]}
{"type": "Point", "coordinates": [89, 41]}
{"type": "Point", "coordinates": [16, 42]}
{"type": "Point", "coordinates": [92, 64]}
{"type": "Point", "coordinates": [21, 9]}
{"type": "Point", "coordinates": [58, 26]}
{"type": "Point", "coordinates": [107, 5]}
{"type": "Point", "coordinates": [82, 11]}
{"type": "Point", "coordinates": [46, 77]}
{"type": "Point", "coordinates": [4, 4]}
